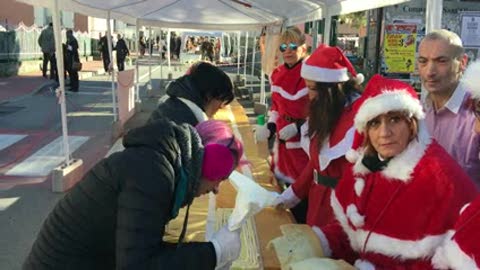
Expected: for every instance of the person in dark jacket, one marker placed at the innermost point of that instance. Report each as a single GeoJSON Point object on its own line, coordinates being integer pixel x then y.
{"type": "Point", "coordinates": [72, 57]}
{"type": "Point", "coordinates": [196, 96]}
{"type": "Point", "coordinates": [122, 52]}
{"type": "Point", "coordinates": [115, 217]}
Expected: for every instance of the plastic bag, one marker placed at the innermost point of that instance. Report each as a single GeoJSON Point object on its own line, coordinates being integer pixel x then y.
{"type": "Point", "coordinates": [251, 199]}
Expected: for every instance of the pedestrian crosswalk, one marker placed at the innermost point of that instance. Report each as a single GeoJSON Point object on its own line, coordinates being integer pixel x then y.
{"type": "Point", "coordinates": [44, 160]}
{"type": "Point", "coordinates": [7, 140]}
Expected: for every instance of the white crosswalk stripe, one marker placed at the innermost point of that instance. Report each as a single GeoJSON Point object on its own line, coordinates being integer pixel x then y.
{"type": "Point", "coordinates": [47, 158]}
{"type": "Point", "coordinates": [8, 139]}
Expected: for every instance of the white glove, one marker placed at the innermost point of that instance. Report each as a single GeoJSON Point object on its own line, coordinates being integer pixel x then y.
{"type": "Point", "coordinates": [227, 246]}
{"type": "Point", "coordinates": [287, 199]}
{"type": "Point", "coordinates": [262, 133]}
{"type": "Point", "coordinates": [288, 132]}
{"type": "Point", "coordinates": [69, 47]}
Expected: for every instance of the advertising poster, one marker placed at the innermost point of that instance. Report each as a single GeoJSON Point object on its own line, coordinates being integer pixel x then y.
{"type": "Point", "coordinates": [470, 29]}
{"type": "Point", "coordinates": [399, 48]}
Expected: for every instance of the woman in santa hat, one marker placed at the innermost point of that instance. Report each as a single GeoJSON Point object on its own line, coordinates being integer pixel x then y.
{"type": "Point", "coordinates": [401, 195]}
{"type": "Point", "coordinates": [461, 248]}
{"type": "Point", "coordinates": [288, 112]}
{"type": "Point", "coordinates": [328, 134]}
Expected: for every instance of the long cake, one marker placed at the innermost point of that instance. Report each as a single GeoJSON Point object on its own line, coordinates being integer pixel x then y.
{"type": "Point", "coordinates": [249, 258]}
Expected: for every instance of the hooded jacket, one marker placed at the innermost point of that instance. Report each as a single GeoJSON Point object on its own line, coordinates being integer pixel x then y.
{"type": "Point", "coordinates": [184, 103]}
{"type": "Point", "coordinates": [115, 217]}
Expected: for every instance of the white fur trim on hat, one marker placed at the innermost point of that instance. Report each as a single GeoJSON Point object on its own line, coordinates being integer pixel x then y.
{"type": "Point", "coordinates": [359, 78]}
{"type": "Point", "coordinates": [319, 74]}
{"type": "Point", "coordinates": [471, 78]}
{"type": "Point", "coordinates": [387, 101]}
{"type": "Point", "coordinates": [352, 155]}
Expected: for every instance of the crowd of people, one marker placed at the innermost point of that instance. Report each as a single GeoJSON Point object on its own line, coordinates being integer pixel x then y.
{"type": "Point", "coordinates": [384, 179]}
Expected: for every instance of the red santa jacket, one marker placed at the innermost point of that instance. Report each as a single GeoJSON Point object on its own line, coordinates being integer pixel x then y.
{"type": "Point", "coordinates": [461, 248]}
{"type": "Point", "coordinates": [289, 98]}
{"type": "Point", "coordinates": [395, 218]}
{"type": "Point", "coordinates": [329, 161]}
{"type": "Point", "coordinates": [290, 104]}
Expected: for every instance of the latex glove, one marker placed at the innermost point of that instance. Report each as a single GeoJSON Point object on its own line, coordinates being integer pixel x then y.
{"type": "Point", "coordinates": [288, 132]}
{"type": "Point", "coordinates": [262, 133]}
{"type": "Point", "coordinates": [227, 246]}
{"type": "Point", "coordinates": [287, 199]}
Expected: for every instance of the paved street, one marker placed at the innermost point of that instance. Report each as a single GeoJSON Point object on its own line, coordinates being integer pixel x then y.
{"type": "Point", "coordinates": [31, 146]}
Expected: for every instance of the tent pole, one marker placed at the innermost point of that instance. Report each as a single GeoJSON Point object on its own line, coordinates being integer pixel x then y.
{"type": "Point", "coordinates": [160, 46]}
{"type": "Point", "coordinates": [150, 50]}
{"type": "Point", "coordinates": [253, 55]}
{"type": "Point", "coordinates": [109, 40]}
{"type": "Point", "coordinates": [238, 54]}
{"type": "Point", "coordinates": [327, 29]}
{"type": "Point", "coordinates": [245, 59]}
{"type": "Point", "coordinates": [262, 88]}
{"type": "Point", "coordinates": [433, 16]}
{"type": "Point", "coordinates": [168, 50]}
{"type": "Point", "coordinates": [61, 79]}
{"type": "Point", "coordinates": [137, 72]}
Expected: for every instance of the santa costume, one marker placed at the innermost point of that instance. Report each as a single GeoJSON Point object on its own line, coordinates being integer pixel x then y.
{"type": "Point", "coordinates": [327, 160]}
{"type": "Point", "coordinates": [461, 249]}
{"type": "Point", "coordinates": [288, 112]}
{"type": "Point", "coordinates": [393, 216]}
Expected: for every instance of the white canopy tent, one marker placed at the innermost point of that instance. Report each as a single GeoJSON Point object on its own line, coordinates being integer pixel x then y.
{"type": "Point", "coordinates": [212, 15]}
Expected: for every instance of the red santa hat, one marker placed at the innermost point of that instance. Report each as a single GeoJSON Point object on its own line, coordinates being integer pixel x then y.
{"type": "Point", "coordinates": [383, 95]}
{"type": "Point", "coordinates": [471, 78]}
{"type": "Point", "coordinates": [380, 96]}
{"type": "Point", "coordinates": [329, 64]}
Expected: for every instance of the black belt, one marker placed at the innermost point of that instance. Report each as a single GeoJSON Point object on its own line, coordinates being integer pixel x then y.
{"type": "Point", "coordinates": [324, 180]}
{"type": "Point", "coordinates": [291, 119]}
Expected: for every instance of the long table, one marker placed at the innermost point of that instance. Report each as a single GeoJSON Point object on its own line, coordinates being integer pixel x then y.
{"type": "Point", "coordinates": [268, 221]}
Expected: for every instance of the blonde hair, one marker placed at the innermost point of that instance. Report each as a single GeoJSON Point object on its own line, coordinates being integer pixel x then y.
{"type": "Point", "coordinates": [412, 124]}
{"type": "Point", "coordinates": [293, 34]}
{"type": "Point", "coordinates": [451, 38]}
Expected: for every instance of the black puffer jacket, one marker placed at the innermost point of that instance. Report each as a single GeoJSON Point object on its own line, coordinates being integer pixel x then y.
{"type": "Point", "coordinates": [173, 108]}
{"type": "Point", "coordinates": [115, 217]}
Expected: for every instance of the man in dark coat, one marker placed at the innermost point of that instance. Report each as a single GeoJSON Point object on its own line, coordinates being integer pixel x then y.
{"type": "Point", "coordinates": [103, 47]}
{"type": "Point", "coordinates": [115, 217]}
{"type": "Point", "coordinates": [196, 96]}
{"type": "Point", "coordinates": [72, 57]}
{"type": "Point", "coordinates": [122, 52]}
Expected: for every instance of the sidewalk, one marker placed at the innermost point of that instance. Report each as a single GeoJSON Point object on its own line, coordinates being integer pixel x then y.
{"type": "Point", "coordinates": [29, 83]}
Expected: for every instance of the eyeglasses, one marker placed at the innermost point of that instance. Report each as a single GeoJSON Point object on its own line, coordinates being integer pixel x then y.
{"type": "Point", "coordinates": [292, 46]}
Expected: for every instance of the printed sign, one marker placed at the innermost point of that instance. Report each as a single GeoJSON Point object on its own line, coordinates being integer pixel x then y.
{"type": "Point", "coordinates": [399, 48]}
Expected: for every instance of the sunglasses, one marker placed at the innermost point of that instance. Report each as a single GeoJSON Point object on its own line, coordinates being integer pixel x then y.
{"type": "Point", "coordinates": [292, 46]}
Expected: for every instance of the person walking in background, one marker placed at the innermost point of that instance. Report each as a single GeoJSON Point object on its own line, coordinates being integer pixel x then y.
{"type": "Point", "coordinates": [441, 62]}
{"type": "Point", "coordinates": [72, 58]}
{"type": "Point", "coordinates": [122, 52]}
{"type": "Point", "coordinates": [115, 217]}
{"type": "Point", "coordinates": [46, 41]}
{"type": "Point", "coordinates": [103, 47]}
{"type": "Point", "coordinates": [143, 45]}
{"type": "Point", "coordinates": [178, 46]}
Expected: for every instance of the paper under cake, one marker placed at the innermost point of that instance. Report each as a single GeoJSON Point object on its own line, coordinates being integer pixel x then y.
{"type": "Point", "coordinates": [249, 258]}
